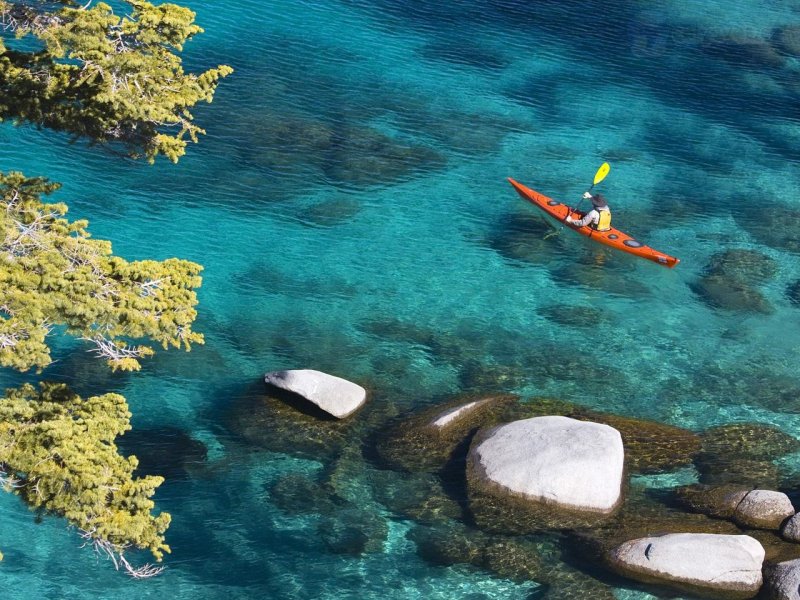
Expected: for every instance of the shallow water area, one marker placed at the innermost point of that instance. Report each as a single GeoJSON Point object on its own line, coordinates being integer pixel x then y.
{"type": "Point", "coordinates": [351, 210]}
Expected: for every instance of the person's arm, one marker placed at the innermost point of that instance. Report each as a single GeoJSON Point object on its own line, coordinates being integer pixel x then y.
{"type": "Point", "coordinates": [590, 216]}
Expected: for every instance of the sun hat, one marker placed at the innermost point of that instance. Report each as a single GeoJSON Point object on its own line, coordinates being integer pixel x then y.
{"type": "Point", "coordinates": [599, 201]}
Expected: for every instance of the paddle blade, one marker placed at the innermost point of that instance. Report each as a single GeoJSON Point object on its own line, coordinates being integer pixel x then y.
{"type": "Point", "coordinates": [601, 173]}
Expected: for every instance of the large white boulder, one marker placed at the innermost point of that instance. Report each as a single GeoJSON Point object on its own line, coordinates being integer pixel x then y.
{"type": "Point", "coordinates": [334, 395]}
{"type": "Point", "coordinates": [575, 465]}
{"type": "Point", "coordinates": [701, 563]}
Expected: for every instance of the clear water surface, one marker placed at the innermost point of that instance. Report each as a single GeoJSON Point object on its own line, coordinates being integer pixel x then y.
{"type": "Point", "coordinates": [352, 184]}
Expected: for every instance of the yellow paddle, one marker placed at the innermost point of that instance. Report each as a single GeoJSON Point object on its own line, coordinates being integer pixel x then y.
{"type": "Point", "coordinates": [598, 177]}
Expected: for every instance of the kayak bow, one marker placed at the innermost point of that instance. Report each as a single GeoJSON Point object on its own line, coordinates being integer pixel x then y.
{"type": "Point", "coordinates": [613, 237]}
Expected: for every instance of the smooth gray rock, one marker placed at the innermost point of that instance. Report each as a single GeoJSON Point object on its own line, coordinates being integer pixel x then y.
{"type": "Point", "coordinates": [700, 563]}
{"type": "Point", "coordinates": [782, 581]}
{"type": "Point", "coordinates": [791, 529]}
{"type": "Point", "coordinates": [763, 509]}
{"type": "Point", "coordinates": [576, 465]}
{"type": "Point", "coordinates": [334, 395]}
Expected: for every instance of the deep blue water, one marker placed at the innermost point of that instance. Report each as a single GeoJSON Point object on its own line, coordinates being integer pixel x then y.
{"type": "Point", "coordinates": [350, 207]}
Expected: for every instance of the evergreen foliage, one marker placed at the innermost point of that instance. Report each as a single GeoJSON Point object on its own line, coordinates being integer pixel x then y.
{"type": "Point", "coordinates": [53, 273]}
{"type": "Point", "coordinates": [113, 80]}
{"type": "Point", "coordinates": [57, 451]}
{"type": "Point", "coordinates": [104, 77]}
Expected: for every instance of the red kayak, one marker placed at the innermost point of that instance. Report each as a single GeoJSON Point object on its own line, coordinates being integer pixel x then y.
{"type": "Point", "coordinates": [613, 237]}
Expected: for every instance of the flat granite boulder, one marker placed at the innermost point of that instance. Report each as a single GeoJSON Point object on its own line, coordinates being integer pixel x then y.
{"type": "Point", "coordinates": [574, 465]}
{"type": "Point", "coordinates": [334, 395]}
{"type": "Point", "coordinates": [706, 564]}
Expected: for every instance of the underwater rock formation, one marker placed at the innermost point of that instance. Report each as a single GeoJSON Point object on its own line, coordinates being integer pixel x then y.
{"type": "Point", "coordinates": [742, 453]}
{"type": "Point", "coordinates": [787, 39]}
{"type": "Point", "coordinates": [331, 212]}
{"type": "Point", "coordinates": [715, 501]}
{"type": "Point", "coordinates": [777, 226]}
{"type": "Point", "coordinates": [353, 531]}
{"type": "Point", "coordinates": [583, 317]}
{"type": "Point", "coordinates": [744, 51]}
{"type": "Point", "coordinates": [280, 422]}
{"type": "Point", "coordinates": [418, 444]}
{"type": "Point", "coordinates": [731, 278]}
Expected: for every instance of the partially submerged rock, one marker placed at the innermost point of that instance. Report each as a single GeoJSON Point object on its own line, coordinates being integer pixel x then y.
{"type": "Point", "coordinates": [426, 441]}
{"type": "Point", "coordinates": [334, 395]}
{"type": "Point", "coordinates": [277, 421]}
{"type": "Point", "coordinates": [711, 565]}
{"type": "Point", "coordinates": [568, 470]}
{"type": "Point", "coordinates": [763, 509]}
{"type": "Point", "coordinates": [715, 501]}
{"type": "Point", "coordinates": [651, 447]}
{"type": "Point", "coordinates": [782, 581]}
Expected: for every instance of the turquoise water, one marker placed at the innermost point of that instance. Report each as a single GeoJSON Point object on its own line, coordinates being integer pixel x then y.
{"type": "Point", "coordinates": [351, 191]}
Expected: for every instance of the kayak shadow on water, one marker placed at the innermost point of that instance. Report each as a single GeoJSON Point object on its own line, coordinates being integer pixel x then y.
{"type": "Point", "coordinates": [527, 238]}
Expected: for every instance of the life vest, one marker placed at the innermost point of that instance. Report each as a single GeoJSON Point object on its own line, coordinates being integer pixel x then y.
{"type": "Point", "coordinates": [603, 221]}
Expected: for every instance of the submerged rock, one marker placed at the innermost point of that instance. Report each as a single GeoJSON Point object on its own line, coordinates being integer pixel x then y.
{"type": "Point", "coordinates": [298, 494]}
{"type": "Point", "coordinates": [355, 155]}
{"type": "Point", "coordinates": [448, 545]}
{"type": "Point", "coordinates": [482, 377]}
{"type": "Point", "coordinates": [748, 266]}
{"type": "Point", "coordinates": [334, 395]}
{"type": "Point", "coordinates": [744, 51]}
{"type": "Point", "coordinates": [719, 291]}
{"type": "Point", "coordinates": [275, 420]}
{"type": "Point", "coordinates": [731, 277]}
{"type": "Point", "coordinates": [721, 470]}
{"type": "Point", "coordinates": [793, 291]}
{"type": "Point", "coordinates": [742, 453]}
{"type": "Point", "coordinates": [583, 317]}
{"type": "Point", "coordinates": [526, 237]}
{"type": "Point", "coordinates": [417, 496]}
{"type": "Point", "coordinates": [354, 531]}
{"type": "Point", "coordinates": [330, 212]}
{"type": "Point", "coordinates": [776, 226]}
{"type": "Point", "coordinates": [518, 559]}
{"type": "Point", "coordinates": [427, 440]}
{"type": "Point", "coordinates": [705, 564]}
{"type": "Point", "coordinates": [715, 501]}
{"type": "Point", "coordinates": [756, 441]}
{"type": "Point", "coordinates": [565, 470]}
{"type": "Point", "coordinates": [787, 39]}
{"type": "Point", "coordinates": [651, 447]}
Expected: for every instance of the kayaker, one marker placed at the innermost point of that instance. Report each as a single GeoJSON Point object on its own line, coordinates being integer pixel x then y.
{"type": "Point", "coordinates": [598, 218]}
